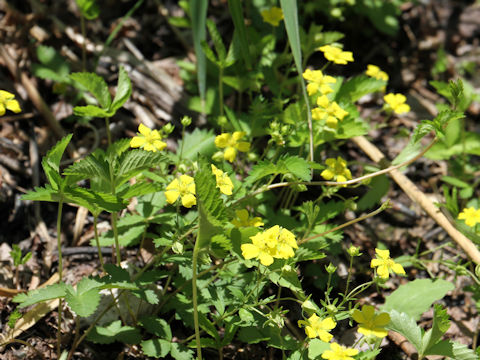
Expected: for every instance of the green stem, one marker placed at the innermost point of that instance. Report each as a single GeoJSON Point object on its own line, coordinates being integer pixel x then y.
{"type": "Point", "coordinates": [115, 237]}
{"type": "Point", "coordinates": [196, 250]}
{"type": "Point", "coordinates": [60, 274]}
{"type": "Point", "coordinates": [349, 277]}
{"type": "Point", "coordinates": [220, 89]}
{"type": "Point", "coordinates": [97, 241]}
{"type": "Point", "coordinates": [107, 130]}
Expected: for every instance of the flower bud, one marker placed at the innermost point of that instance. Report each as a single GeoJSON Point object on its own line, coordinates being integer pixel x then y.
{"type": "Point", "coordinates": [186, 121]}
{"type": "Point", "coordinates": [222, 121]}
{"type": "Point", "coordinates": [331, 268]}
{"type": "Point", "coordinates": [168, 128]}
{"type": "Point", "coordinates": [177, 247]}
{"type": "Point", "coordinates": [353, 251]}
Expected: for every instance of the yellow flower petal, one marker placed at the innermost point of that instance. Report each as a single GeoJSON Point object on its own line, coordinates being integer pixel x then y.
{"type": "Point", "coordinates": [144, 130]}
{"type": "Point", "coordinates": [13, 105]}
{"type": "Point", "coordinates": [189, 200]}
{"type": "Point", "coordinates": [137, 141]}
{"type": "Point", "coordinates": [172, 195]}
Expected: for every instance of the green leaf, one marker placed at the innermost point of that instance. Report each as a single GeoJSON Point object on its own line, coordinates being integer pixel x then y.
{"type": "Point", "coordinates": [217, 41]}
{"type": "Point", "coordinates": [124, 90]}
{"type": "Point", "coordinates": [453, 350]}
{"type": "Point", "coordinates": [42, 194]}
{"type": "Point", "coordinates": [378, 188]}
{"type": "Point", "coordinates": [260, 170]}
{"type": "Point", "coordinates": [88, 8]}
{"type": "Point", "coordinates": [470, 145]}
{"type": "Point", "coordinates": [422, 129]}
{"type": "Point", "coordinates": [180, 352]}
{"type": "Point", "coordinates": [51, 161]}
{"type": "Point", "coordinates": [139, 189]}
{"type": "Point", "coordinates": [198, 142]}
{"type": "Point", "coordinates": [406, 325]}
{"type": "Point", "coordinates": [198, 14]}
{"type": "Point", "coordinates": [235, 7]}
{"type": "Point", "coordinates": [53, 65]}
{"type": "Point", "coordinates": [358, 86]}
{"type": "Point", "coordinates": [316, 348]}
{"type": "Point", "coordinates": [84, 300]}
{"type": "Point", "coordinates": [416, 297]}
{"type": "Point", "coordinates": [91, 111]}
{"type": "Point", "coordinates": [50, 292]}
{"type": "Point", "coordinates": [157, 348]}
{"type": "Point", "coordinates": [211, 210]}
{"type": "Point", "coordinates": [114, 332]}
{"type": "Point", "coordinates": [156, 326]}
{"type": "Point", "coordinates": [286, 279]}
{"type": "Point", "coordinates": [95, 202]}
{"type": "Point", "coordinates": [135, 161]}
{"type": "Point", "coordinates": [93, 166]}
{"type": "Point", "coordinates": [95, 85]}
{"type": "Point", "coordinates": [441, 323]}
{"type": "Point", "coordinates": [297, 166]}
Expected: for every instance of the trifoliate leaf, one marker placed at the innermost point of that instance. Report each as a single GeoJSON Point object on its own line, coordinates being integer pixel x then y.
{"type": "Point", "coordinates": [134, 161]}
{"type": "Point", "coordinates": [95, 85]}
{"type": "Point", "coordinates": [124, 90]}
{"type": "Point", "coordinates": [93, 166]}
{"type": "Point", "coordinates": [406, 325]}
{"type": "Point", "coordinates": [50, 292]}
{"type": "Point", "coordinates": [85, 299]}
{"type": "Point", "coordinates": [416, 297]}
{"type": "Point", "coordinates": [95, 202]}
{"type": "Point", "coordinates": [115, 332]}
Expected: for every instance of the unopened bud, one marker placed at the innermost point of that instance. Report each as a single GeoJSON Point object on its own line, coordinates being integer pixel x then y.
{"type": "Point", "coordinates": [353, 251]}
{"type": "Point", "coordinates": [331, 268]}
{"type": "Point", "coordinates": [186, 121]}
{"type": "Point", "coordinates": [168, 128]}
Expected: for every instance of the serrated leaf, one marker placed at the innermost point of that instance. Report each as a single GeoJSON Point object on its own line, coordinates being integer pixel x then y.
{"type": "Point", "coordinates": [139, 189]}
{"type": "Point", "coordinates": [51, 161]}
{"type": "Point", "coordinates": [441, 323]}
{"type": "Point", "coordinates": [91, 111]}
{"type": "Point", "coordinates": [453, 350]}
{"type": "Point", "coordinates": [211, 209]}
{"type": "Point", "coordinates": [115, 332]}
{"type": "Point", "coordinates": [209, 53]}
{"type": "Point", "coordinates": [134, 161]}
{"type": "Point", "coordinates": [50, 292]}
{"type": "Point", "coordinates": [95, 85]}
{"type": "Point", "coordinates": [95, 202]}
{"type": "Point", "coordinates": [124, 90]}
{"type": "Point", "coordinates": [146, 295]}
{"type": "Point", "coordinates": [422, 129]}
{"type": "Point", "coordinates": [406, 325]}
{"type": "Point", "coordinates": [358, 86]}
{"type": "Point", "coordinates": [93, 166]}
{"type": "Point", "coordinates": [157, 348]}
{"type": "Point", "coordinates": [297, 166]}
{"type": "Point", "coordinates": [260, 170]}
{"type": "Point", "coordinates": [84, 300]}
{"type": "Point", "coordinates": [156, 326]}
{"type": "Point", "coordinates": [180, 352]}
{"type": "Point", "coordinates": [217, 41]}
{"type": "Point", "coordinates": [42, 194]}
{"type": "Point", "coordinates": [416, 297]}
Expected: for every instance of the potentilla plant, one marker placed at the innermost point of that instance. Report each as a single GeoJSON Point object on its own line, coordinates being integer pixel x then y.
{"type": "Point", "coordinates": [231, 232]}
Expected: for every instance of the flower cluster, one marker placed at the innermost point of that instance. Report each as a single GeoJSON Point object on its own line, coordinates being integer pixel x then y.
{"type": "Point", "coordinates": [318, 327]}
{"type": "Point", "coordinates": [396, 102]}
{"type": "Point", "coordinates": [371, 324]}
{"type": "Point", "coordinates": [224, 183]}
{"type": "Point", "coordinates": [149, 140]}
{"type": "Point", "coordinates": [232, 144]}
{"type": "Point", "coordinates": [375, 72]}
{"type": "Point", "coordinates": [336, 170]}
{"type": "Point", "coordinates": [183, 187]}
{"type": "Point", "coordinates": [274, 243]}
{"type": "Point", "coordinates": [470, 215]}
{"type": "Point", "coordinates": [339, 352]}
{"type": "Point", "coordinates": [318, 82]}
{"type": "Point", "coordinates": [273, 16]}
{"type": "Point", "coordinates": [330, 111]}
{"type": "Point", "coordinates": [336, 55]}
{"type": "Point", "coordinates": [244, 220]}
{"type": "Point", "coordinates": [8, 102]}
{"type": "Point", "coordinates": [384, 264]}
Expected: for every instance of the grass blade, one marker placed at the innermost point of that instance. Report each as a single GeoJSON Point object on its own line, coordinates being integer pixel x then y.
{"type": "Point", "coordinates": [198, 14]}
{"type": "Point", "coordinates": [235, 7]}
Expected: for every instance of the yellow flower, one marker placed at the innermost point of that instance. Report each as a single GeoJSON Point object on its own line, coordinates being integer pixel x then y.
{"type": "Point", "coordinates": [337, 170]}
{"type": "Point", "coordinates": [330, 111]}
{"type": "Point", "coordinates": [339, 352]}
{"type": "Point", "coordinates": [275, 242]}
{"type": "Point", "coordinates": [273, 16]}
{"type": "Point", "coordinates": [318, 81]}
{"type": "Point", "coordinates": [335, 54]}
{"type": "Point", "coordinates": [317, 327]}
{"type": "Point", "coordinates": [384, 264]}
{"type": "Point", "coordinates": [147, 139]}
{"type": "Point", "coordinates": [7, 101]}
{"type": "Point", "coordinates": [369, 323]}
{"type": "Point", "coordinates": [470, 215]}
{"type": "Point", "coordinates": [232, 144]}
{"type": "Point", "coordinates": [243, 219]}
{"type": "Point", "coordinates": [184, 187]}
{"type": "Point", "coordinates": [224, 183]}
{"type": "Point", "coordinates": [375, 72]}
{"type": "Point", "coordinates": [397, 103]}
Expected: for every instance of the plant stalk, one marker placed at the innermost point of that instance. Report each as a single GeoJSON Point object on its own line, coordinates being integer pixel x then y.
{"type": "Point", "coordinates": [196, 250]}
{"type": "Point", "coordinates": [60, 274]}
